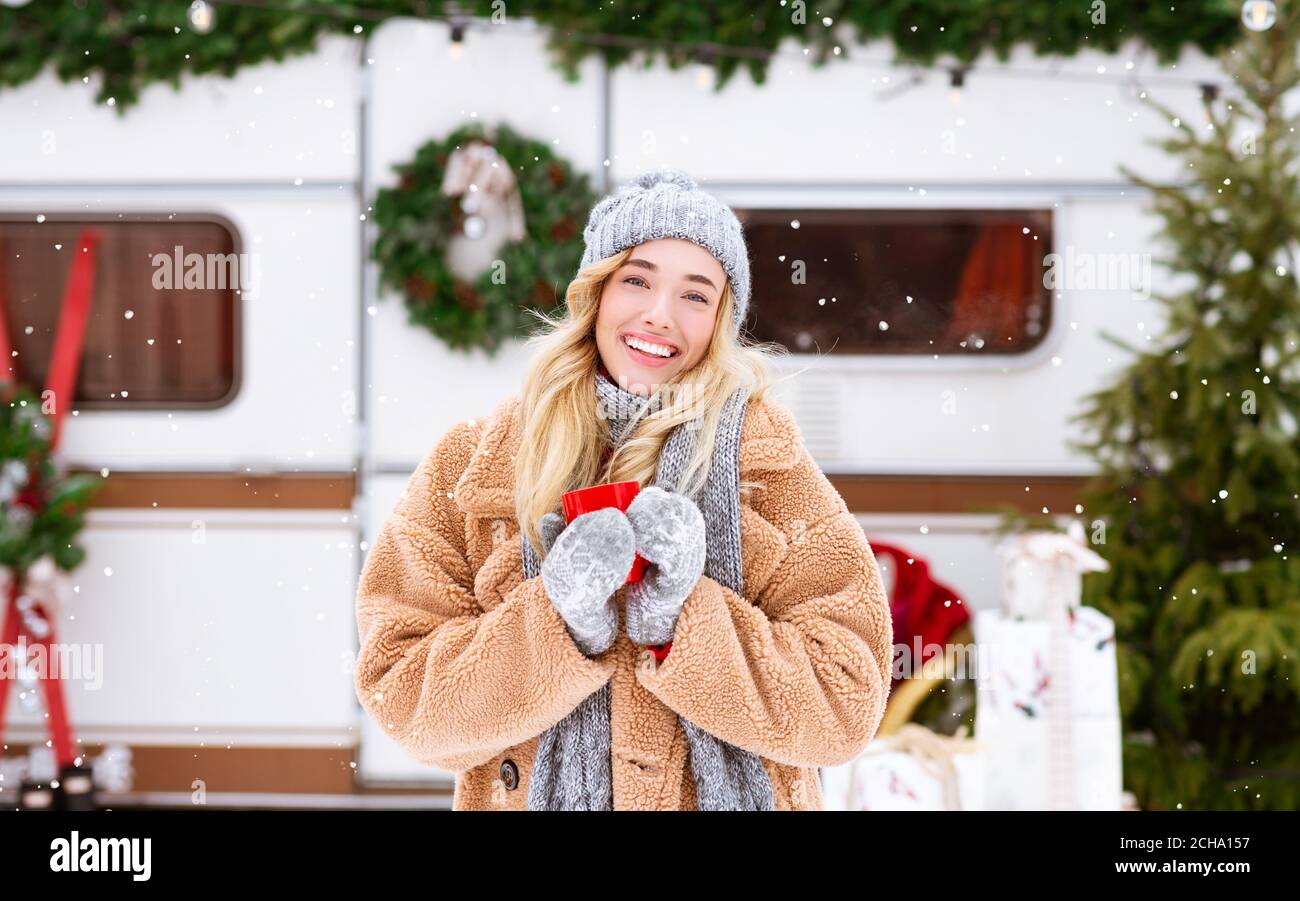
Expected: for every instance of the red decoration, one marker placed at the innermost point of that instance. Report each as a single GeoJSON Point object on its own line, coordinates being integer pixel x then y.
{"type": "Point", "coordinates": [61, 379]}
{"type": "Point", "coordinates": [920, 606]}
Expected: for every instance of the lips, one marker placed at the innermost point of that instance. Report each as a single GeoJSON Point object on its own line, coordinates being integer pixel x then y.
{"type": "Point", "coordinates": [651, 339]}
{"type": "Point", "coordinates": [643, 358]}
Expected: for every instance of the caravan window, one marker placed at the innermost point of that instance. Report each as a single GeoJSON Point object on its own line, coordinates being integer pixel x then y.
{"type": "Point", "coordinates": [163, 329]}
{"type": "Point", "coordinates": [958, 282]}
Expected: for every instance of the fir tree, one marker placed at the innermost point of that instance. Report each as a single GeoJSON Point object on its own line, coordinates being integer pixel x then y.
{"type": "Point", "coordinates": [1196, 503]}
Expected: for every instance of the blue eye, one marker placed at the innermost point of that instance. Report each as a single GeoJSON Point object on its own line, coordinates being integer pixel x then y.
{"type": "Point", "coordinates": [694, 294]}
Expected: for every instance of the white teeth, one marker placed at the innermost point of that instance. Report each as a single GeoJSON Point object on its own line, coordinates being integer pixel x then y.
{"type": "Point", "coordinates": [657, 349]}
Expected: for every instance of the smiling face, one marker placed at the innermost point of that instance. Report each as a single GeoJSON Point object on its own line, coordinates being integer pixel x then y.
{"type": "Point", "coordinates": [665, 299]}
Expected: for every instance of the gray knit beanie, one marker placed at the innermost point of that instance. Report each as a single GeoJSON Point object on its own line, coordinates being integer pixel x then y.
{"type": "Point", "coordinates": [668, 204]}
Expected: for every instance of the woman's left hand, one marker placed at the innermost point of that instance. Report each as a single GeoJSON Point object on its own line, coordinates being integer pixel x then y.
{"type": "Point", "coordinates": [670, 535]}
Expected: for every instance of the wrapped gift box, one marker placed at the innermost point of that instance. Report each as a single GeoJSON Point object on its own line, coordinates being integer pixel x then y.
{"type": "Point", "coordinates": [1027, 770]}
{"type": "Point", "coordinates": [914, 769]}
{"type": "Point", "coordinates": [1042, 571]}
{"type": "Point", "coordinates": [1015, 677]}
{"type": "Point", "coordinates": [1047, 697]}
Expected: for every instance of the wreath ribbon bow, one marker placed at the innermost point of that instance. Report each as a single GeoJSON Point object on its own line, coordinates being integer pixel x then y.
{"type": "Point", "coordinates": [478, 171]}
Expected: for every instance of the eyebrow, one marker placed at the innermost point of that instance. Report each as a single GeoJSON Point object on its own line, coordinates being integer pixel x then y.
{"type": "Point", "coordinates": [646, 264]}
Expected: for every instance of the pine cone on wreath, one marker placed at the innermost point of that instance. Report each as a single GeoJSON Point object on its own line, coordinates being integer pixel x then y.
{"type": "Point", "coordinates": [417, 288]}
{"type": "Point", "coordinates": [564, 229]}
{"type": "Point", "coordinates": [466, 296]}
{"type": "Point", "coordinates": [544, 297]}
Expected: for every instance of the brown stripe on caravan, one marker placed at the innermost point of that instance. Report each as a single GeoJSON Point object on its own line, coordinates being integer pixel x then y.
{"type": "Point", "coordinates": [957, 493]}
{"type": "Point", "coordinates": [220, 490]}
{"type": "Point", "coordinates": [274, 770]}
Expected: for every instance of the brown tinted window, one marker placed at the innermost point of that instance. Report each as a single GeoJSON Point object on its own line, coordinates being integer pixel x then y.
{"type": "Point", "coordinates": [154, 338]}
{"type": "Point", "coordinates": [942, 281]}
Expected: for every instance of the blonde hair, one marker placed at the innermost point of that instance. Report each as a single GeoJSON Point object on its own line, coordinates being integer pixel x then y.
{"type": "Point", "coordinates": [560, 417]}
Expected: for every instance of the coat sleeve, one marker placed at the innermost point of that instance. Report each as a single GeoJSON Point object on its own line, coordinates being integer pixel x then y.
{"type": "Point", "coordinates": [452, 684]}
{"type": "Point", "coordinates": [801, 674]}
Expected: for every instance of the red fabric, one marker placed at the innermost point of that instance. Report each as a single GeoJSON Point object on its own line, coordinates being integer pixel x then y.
{"type": "Point", "coordinates": [998, 282]}
{"type": "Point", "coordinates": [919, 604]}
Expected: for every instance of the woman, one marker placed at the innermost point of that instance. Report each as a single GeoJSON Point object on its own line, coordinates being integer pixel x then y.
{"type": "Point", "coordinates": [757, 645]}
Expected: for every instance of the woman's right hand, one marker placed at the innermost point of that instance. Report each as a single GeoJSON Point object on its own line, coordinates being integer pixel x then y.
{"type": "Point", "coordinates": [584, 566]}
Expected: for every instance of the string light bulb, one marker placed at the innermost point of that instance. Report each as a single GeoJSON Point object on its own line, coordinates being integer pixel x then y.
{"type": "Point", "coordinates": [202, 17]}
{"type": "Point", "coordinates": [705, 74]}
{"type": "Point", "coordinates": [457, 40]}
{"type": "Point", "coordinates": [956, 79]}
{"type": "Point", "coordinates": [1258, 15]}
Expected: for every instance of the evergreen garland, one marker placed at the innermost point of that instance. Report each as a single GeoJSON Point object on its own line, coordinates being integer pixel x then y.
{"type": "Point", "coordinates": [126, 45]}
{"type": "Point", "coordinates": [415, 221]}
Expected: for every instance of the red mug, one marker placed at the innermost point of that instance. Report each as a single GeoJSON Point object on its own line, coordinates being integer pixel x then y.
{"type": "Point", "coordinates": [597, 497]}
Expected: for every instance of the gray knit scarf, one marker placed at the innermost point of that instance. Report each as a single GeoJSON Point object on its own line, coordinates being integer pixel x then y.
{"type": "Point", "coordinates": [571, 770]}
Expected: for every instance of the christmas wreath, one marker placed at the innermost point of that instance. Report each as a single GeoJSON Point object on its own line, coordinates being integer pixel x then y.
{"type": "Point", "coordinates": [41, 511]}
{"type": "Point", "coordinates": [417, 218]}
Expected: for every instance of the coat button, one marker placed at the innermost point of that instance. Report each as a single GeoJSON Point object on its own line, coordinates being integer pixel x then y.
{"type": "Point", "coordinates": [509, 774]}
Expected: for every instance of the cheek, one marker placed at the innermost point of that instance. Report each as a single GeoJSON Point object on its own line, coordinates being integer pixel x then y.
{"type": "Point", "coordinates": [700, 335]}
{"type": "Point", "coordinates": [607, 318]}
{"type": "Point", "coordinates": [615, 308]}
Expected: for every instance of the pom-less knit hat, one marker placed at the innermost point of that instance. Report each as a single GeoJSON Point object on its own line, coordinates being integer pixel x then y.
{"type": "Point", "coordinates": [667, 203]}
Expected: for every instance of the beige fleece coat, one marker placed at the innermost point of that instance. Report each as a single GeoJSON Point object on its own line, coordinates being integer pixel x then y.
{"type": "Point", "coordinates": [465, 663]}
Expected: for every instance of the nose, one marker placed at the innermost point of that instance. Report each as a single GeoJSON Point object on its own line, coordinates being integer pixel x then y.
{"type": "Point", "coordinates": [658, 314]}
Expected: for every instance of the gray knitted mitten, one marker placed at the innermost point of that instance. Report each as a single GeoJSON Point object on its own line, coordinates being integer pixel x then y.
{"type": "Point", "coordinates": [584, 566]}
{"type": "Point", "coordinates": [669, 531]}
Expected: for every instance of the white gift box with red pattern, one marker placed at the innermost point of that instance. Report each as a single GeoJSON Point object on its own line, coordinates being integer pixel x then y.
{"type": "Point", "coordinates": [909, 771]}
{"type": "Point", "coordinates": [1047, 698]}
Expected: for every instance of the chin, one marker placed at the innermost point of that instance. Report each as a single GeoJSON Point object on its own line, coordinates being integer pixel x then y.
{"type": "Point", "coordinates": [659, 376]}
{"type": "Point", "coordinates": [647, 382]}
